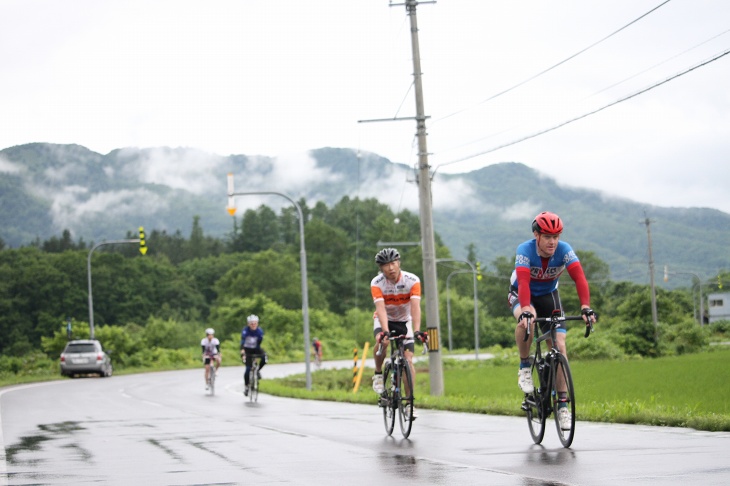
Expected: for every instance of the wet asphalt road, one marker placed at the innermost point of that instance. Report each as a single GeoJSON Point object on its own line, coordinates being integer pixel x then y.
{"type": "Point", "coordinates": [162, 428]}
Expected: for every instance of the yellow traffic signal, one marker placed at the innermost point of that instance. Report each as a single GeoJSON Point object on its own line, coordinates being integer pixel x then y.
{"type": "Point", "coordinates": [142, 243]}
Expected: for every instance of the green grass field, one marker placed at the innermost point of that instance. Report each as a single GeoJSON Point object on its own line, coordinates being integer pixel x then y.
{"type": "Point", "coordinates": [684, 391]}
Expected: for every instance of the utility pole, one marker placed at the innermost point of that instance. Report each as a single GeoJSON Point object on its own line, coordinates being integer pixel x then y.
{"type": "Point", "coordinates": [647, 222]}
{"type": "Point", "coordinates": [425, 205]}
{"type": "Point", "coordinates": [428, 243]}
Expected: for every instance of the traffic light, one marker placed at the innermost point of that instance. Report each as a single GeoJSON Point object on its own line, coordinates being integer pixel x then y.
{"type": "Point", "coordinates": [142, 243]}
{"type": "Point", "coordinates": [479, 272]}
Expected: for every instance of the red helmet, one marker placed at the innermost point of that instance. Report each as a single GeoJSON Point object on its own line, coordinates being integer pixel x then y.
{"type": "Point", "coordinates": [547, 223]}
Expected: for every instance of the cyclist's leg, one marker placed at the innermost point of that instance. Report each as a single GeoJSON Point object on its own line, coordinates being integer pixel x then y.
{"type": "Point", "coordinates": [409, 347]}
{"type": "Point", "coordinates": [263, 359]}
{"type": "Point", "coordinates": [549, 304]}
{"type": "Point", "coordinates": [207, 370]}
{"type": "Point", "coordinates": [409, 357]}
{"type": "Point", "coordinates": [560, 376]}
{"type": "Point", "coordinates": [524, 373]}
{"type": "Point", "coordinates": [377, 329]}
{"type": "Point", "coordinates": [522, 345]}
{"type": "Point", "coordinates": [379, 358]}
{"type": "Point", "coordinates": [249, 362]}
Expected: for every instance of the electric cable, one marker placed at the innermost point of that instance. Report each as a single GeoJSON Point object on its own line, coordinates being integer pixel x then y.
{"type": "Point", "coordinates": [553, 66]}
{"type": "Point", "coordinates": [541, 132]}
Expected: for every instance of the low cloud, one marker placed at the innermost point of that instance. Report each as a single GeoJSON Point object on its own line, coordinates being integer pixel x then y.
{"type": "Point", "coordinates": [70, 206]}
{"type": "Point", "coordinates": [193, 170]}
{"type": "Point", "coordinates": [8, 167]}
{"type": "Point", "coordinates": [520, 211]}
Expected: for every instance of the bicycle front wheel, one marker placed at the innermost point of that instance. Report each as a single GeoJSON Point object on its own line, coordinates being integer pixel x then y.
{"type": "Point", "coordinates": [405, 404]}
{"type": "Point", "coordinates": [564, 408]}
{"type": "Point", "coordinates": [212, 380]}
{"type": "Point", "coordinates": [533, 405]}
{"type": "Point", "coordinates": [387, 399]}
{"type": "Point", "coordinates": [253, 384]}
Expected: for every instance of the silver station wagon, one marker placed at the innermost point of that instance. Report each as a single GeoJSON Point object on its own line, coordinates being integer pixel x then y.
{"type": "Point", "coordinates": [84, 357]}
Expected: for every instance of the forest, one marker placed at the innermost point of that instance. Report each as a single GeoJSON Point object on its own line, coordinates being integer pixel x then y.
{"type": "Point", "coordinates": [156, 306]}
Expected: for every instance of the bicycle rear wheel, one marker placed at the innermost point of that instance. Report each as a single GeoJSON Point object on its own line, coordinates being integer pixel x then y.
{"type": "Point", "coordinates": [533, 405]}
{"type": "Point", "coordinates": [405, 404]}
{"type": "Point", "coordinates": [387, 399]}
{"type": "Point", "coordinates": [561, 374]}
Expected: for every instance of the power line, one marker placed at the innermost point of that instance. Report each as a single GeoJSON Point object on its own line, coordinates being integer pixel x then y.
{"type": "Point", "coordinates": [514, 142]}
{"type": "Point", "coordinates": [553, 66]}
{"type": "Point", "coordinates": [658, 64]}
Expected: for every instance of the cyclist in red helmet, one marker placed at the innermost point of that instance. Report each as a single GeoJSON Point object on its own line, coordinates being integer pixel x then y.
{"type": "Point", "coordinates": [534, 287]}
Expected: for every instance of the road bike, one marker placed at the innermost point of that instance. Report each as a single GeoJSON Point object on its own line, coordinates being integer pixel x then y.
{"type": "Point", "coordinates": [316, 359]}
{"type": "Point", "coordinates": [398, 383]}
{"type": "Point", "coordinates": [253, 378]}
{"type": "Point", "coordinates": [211, 372]}
{"type": "Point", "coordinates": [551, 375]}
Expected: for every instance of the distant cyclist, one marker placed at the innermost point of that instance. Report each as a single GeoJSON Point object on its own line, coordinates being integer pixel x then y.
{"type": "Point", "coordinates": [397, 297]}
{"type": "Point", "coordinates": [251, 337]}
{"type": "Point", "coordinates": [534, 293]}
{"type": "Point", "coordinates": [317, 350]}
{"type": "Point", "coordinates": [211, 351]}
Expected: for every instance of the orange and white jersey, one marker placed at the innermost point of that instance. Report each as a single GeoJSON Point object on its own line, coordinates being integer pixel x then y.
{"type": "Point", "coordinates": [398, 295]}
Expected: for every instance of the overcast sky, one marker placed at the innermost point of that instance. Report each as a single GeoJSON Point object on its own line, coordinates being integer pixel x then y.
{"type": "Point", "coordinates": [277, 78]}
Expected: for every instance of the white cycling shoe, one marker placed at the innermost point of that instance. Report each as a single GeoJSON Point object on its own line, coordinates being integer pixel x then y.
{"type": "Point", "coordinates": [564, 418]}
{"type": "Point", "coordinates": [524, 380]}
{"type": "Point", "coordinates": [378, 386]}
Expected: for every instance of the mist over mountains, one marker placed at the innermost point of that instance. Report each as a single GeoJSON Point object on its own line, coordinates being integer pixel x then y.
{"type": "Point", "coordinates": [46, 188]}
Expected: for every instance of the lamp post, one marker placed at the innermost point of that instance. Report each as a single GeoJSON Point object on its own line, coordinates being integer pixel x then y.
{"type": "Point", "coordinates": [88, 271]}
{"type": "Point", "coordinates": [476, 304]}
{"type": "Point", "coordinates": [302, 264]}
{"type": "Point", "coordinates": [448, 301]}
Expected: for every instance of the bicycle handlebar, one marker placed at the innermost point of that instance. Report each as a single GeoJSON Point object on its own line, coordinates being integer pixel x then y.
{"type": "Point", "coordinates": [393, 335]}
{"type": "Point", "coordinates": [556, 319]}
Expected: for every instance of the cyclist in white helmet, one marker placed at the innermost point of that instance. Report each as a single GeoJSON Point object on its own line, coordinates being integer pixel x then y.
{"type": "Point", "coordinates": [211, 351]}
{"type": "Point", "coordinates": [251, 337]}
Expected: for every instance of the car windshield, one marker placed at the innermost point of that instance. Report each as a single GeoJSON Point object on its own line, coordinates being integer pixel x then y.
{"type": "Point", "coordinates": [81, 348]}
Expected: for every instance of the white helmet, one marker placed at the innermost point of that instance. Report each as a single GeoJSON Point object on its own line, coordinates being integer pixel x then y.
{"type": "Point", "coordinates": [252, 318]}
{"type": "Point", "coordinates": [210, 330]}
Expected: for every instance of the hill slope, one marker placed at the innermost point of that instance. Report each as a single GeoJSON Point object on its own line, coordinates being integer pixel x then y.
{"type": "Point", "coordinates": [45, 188]}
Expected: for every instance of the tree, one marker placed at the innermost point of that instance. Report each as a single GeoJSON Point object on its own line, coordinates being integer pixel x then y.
{"type": "Point", "coordinates": [273, 274]}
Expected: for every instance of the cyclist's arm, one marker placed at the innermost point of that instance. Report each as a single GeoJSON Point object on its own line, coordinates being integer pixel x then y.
{"type": "Point", "coordinates": [382, 315]}
{"type": "Point", "coordinates": [416, 314]}
{"type": "Point", "coordinates": [523, 287]}
{"type": "Point", "coordinates": [575, 270]}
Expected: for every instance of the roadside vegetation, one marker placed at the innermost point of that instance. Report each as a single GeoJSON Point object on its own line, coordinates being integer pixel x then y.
{"type": "Point", "coordinates": [150, 313]}
{"type": "Point", "coordinates": [676, 391]}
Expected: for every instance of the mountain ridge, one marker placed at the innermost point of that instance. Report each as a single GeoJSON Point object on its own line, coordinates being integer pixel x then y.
{"type": "Point", "coordinates": [46, 188]}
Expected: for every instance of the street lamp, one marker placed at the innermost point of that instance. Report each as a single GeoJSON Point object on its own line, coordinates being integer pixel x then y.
{"type": "Point", "coordinates": [448, 301]}
{"type": "Point", "coordinates": [88, 271]}
{"type": "Point", "coordinates": [302, 263]}
{"type": "Point", "coordinates": [476, 304]}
